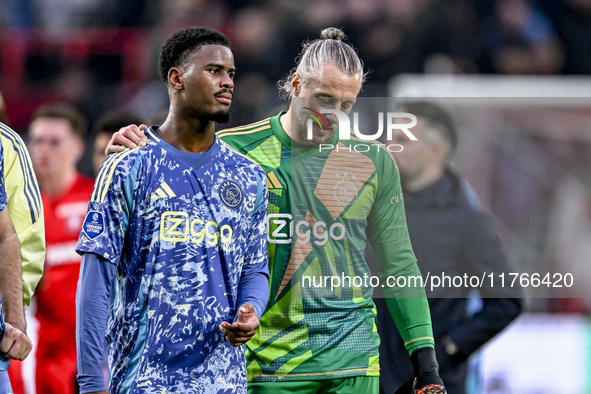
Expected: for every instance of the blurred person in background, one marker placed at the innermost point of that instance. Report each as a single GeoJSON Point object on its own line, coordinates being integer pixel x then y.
{"type": "Point", "coordinates": [571, 20]}
{"type": "Point", "coordinates": [449, 233]}
{"type": "Point", "coordinates": [56, 135]}
{"type": "Point", "coordinates": [519, 39]}
{"type": "Point", "coordinates": [107, 124]}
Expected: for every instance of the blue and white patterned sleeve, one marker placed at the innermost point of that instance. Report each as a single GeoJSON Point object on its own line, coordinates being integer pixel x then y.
{"type": "Point", "coordinates": [101, 244]}
{"type": "Point", "coordinates": [110, 206]}
{"type": "Point", "coordinates": [256, 251]}
{"type": "Point", "coordinates": [92, 309]}
{"type": "Point", "coordinates": [254, 278]}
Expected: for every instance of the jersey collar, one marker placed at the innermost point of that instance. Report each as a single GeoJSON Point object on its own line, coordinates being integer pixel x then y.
{"type": "Point", "coordinates": [195, 160]}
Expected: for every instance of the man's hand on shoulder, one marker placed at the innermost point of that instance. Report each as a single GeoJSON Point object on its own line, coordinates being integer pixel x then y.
{"type": "Point", "coordinates": [15, 343]}
{"type": "Point", "coordinates": [130, 136]}
{"type": "Point", "coordinates": [244, 328]}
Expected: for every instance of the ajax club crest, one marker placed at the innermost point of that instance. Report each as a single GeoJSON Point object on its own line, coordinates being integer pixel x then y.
{"type": "Point", "coordinates": [345, 191]}
{"type": "Point", "coordinates": [231, 194]}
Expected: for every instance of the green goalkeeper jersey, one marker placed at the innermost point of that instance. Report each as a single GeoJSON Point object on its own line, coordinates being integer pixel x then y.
{"type": "Point", "coordinates": [325, 203]}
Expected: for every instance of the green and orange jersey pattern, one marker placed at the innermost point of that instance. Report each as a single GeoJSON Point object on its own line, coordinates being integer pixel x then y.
{"type": "Point", "coordinates": [323, 208]}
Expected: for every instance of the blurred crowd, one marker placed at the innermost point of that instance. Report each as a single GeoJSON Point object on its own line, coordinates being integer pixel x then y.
{"type": "Point", "coordinates": [101, 55]}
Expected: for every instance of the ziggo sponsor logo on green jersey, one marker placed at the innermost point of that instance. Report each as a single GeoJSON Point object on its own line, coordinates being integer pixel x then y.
{"type": "Point", "coordinates": [281, 227]}
{"type": "Point", "coordinates": [177, 226]}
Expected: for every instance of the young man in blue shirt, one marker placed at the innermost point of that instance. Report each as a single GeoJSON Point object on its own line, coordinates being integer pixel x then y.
{"type": "Point", "coordinates": [179, 228]}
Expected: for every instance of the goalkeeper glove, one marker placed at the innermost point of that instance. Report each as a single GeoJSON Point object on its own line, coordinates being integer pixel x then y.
{"type": "Point", "coordinates": [427, 380]}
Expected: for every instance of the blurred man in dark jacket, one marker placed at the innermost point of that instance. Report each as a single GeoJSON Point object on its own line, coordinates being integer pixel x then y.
{"type": "Point", "coordinates": [450, 235]}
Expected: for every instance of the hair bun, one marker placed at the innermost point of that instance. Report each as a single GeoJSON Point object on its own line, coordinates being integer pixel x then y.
{"type": "Point", "coordinates": [332, 33]}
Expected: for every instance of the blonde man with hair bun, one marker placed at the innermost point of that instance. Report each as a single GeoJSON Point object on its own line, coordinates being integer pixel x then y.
{"type": "Point", "coordinates": [327, 343]}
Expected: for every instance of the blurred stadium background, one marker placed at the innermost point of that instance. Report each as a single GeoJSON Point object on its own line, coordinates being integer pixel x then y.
{"type": "Point", "coordinates": [527, 151]}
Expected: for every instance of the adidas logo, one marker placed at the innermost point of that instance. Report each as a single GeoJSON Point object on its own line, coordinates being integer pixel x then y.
{"type": "Point", "coordinates": [164, 191]}
{"type": "Point", "coordinates": [273, 181]}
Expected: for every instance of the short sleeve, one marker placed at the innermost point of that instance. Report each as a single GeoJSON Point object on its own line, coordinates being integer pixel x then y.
{"type": "Point", "coordinates": [110, 207]}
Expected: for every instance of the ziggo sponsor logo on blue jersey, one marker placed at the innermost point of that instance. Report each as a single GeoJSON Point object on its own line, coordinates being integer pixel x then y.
{"type": "Point", "coordinates": [177, 226]}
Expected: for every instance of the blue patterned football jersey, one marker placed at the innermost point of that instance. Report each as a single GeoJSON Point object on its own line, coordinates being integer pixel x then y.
{"type": "Point", "coordinates": [179, 227]}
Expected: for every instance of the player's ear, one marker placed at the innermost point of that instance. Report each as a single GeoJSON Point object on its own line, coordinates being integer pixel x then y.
{"type": "Point", "coordinates": [175, 79]}
{"type": "Point", "coordinates": [296, 84]}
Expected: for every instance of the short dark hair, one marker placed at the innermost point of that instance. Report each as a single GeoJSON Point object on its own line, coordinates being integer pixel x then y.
{"type": "Point", "coordinates": [437, 117]}
{"type": "Point", "coordinates": [64, 111]}
{"type": "Point", "coordinates": [112, 121]}
{"type": "Point", "coordinates": [177, 49]}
